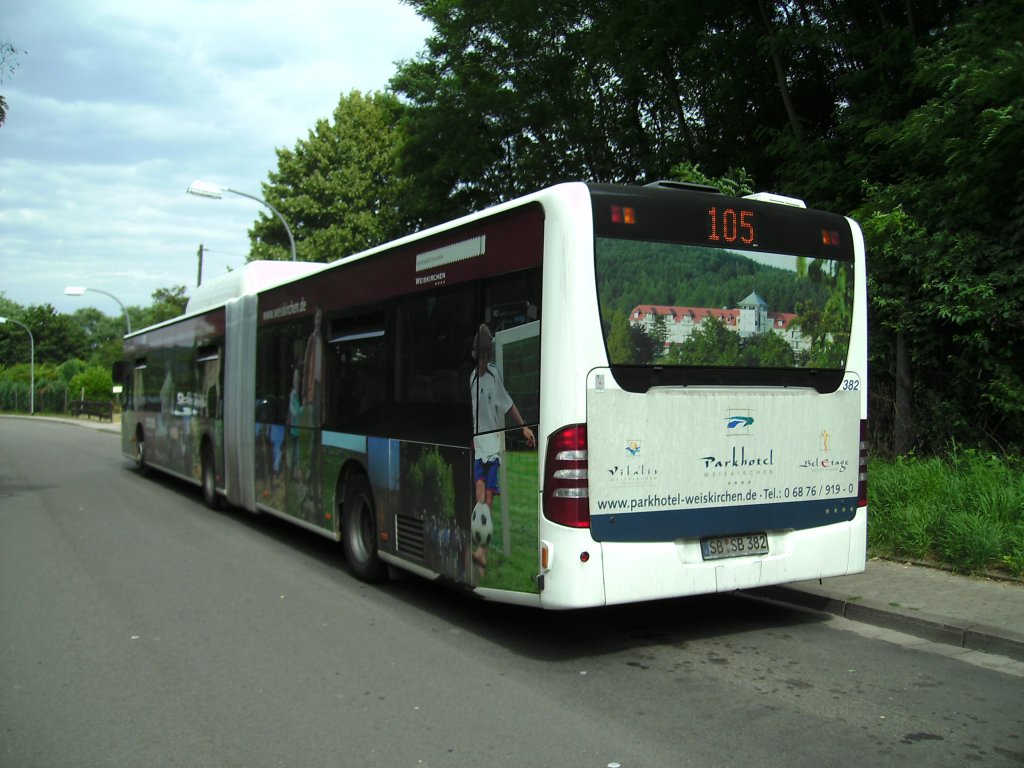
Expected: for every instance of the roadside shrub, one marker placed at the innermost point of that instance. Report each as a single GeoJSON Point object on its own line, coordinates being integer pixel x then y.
{"type": "Point", "coordinates": [1013, 560]}
{"type": "Point", "coordinates": [969, 542]}
{"type": "Point", "coordinates": [96, 382]}
{"type": "Point", "coordinates": [965, 510]}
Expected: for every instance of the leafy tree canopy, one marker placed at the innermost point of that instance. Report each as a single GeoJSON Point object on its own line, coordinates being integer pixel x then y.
{"type": "Point", "coordinates": [8, 63]}
{"type": "Point", "coordinates": [946, 235]}
{"type": "Point", "coordinates": [909, 114]}
{"type": "Point", "coordinates": [339, 189]}
{"type": "Point", "coordinates": [56, 337]}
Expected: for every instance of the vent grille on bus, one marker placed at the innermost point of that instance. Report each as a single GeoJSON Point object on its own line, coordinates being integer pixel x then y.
{"type": "Point", "coordinates": [409, 536]}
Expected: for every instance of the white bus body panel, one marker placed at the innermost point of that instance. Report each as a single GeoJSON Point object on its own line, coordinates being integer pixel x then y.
{"type": "Point", "coordinates": [572, 344]}
{"type": "Point", "coordinates": [582, 571]}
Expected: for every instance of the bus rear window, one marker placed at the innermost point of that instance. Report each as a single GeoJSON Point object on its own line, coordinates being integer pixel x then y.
{"type": "Point", "coordinates": [670, 304]}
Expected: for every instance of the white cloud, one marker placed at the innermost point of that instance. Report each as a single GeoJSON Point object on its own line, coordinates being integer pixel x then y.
{"type": "Point", "coordinates": [118, 105]}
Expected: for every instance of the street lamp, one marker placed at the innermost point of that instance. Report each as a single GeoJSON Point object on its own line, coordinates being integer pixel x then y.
{"type": "Point", "coordinates": [32, 362]}
{"type": "Point", "coordinates": [203, 189]}
{"type": "Point", "coordinates": [78, 290]}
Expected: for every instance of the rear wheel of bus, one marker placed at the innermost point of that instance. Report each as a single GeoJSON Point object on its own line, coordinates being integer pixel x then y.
{"type": "Point", "coordinates": [359, 531]}
{"type": "Point", "coordinates": [140, 452]}
{"type": "Point", "coordinates": [210, 496]}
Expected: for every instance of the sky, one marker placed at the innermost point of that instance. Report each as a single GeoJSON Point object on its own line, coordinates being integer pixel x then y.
{"type": "Point", "coordinates": [117, 106]}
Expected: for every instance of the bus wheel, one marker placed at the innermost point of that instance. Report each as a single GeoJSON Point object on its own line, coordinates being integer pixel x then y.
{"type": "Point", "coordinates": [359, 531]}
{"type": "Point", "coordinates": [210, 496]}
{"type": "Point", "coordinates": [140, 453]}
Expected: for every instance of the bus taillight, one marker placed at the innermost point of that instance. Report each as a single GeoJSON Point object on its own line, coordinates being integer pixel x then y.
{"type": "Point", "coordinates": [566, 491]}
{"type": "Point", "coordinates": [862, 474]}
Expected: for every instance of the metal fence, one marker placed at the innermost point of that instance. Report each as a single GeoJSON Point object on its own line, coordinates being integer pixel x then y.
{"type": "Point", "coordinates": [50, 398]}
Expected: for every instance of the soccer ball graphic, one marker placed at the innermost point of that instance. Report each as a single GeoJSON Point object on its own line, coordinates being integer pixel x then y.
{"type": "Point", "coordinates": [481, 526]}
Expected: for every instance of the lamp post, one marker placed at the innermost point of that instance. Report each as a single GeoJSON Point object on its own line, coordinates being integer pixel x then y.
{"type": "Point", "coordinates": [78, 290]}
{"type": "Point", "coordinates": [32, 363]}
{"type": "Point", "coordinates": [215, 192]}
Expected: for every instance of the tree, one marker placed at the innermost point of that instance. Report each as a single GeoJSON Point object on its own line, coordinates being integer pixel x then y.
{"type": "Point", "coordinates": [103, 336]}
{"type": "Point", "coordinates": [511, 95]}
{"type": "Point", "coordinates": [945, 239]}
{"type": "Point", "coordinates": [339, 189]}
{"type": "Point", "coordinates": [95, 382]}
{"type": "Point", "coordinates": [57, 337]}
{"type": "Point", "coordinates": [909, 113]}
{"type": "Point", "coordinates": [711, 343]}
{"type": "Point", "coordinates": [620, 349]}
{"type": "Point", "coordinates": [632, 344]}
{"type": "Point", "coordinates": [767, 350]}
{"type": "Point", "coordinates": [168, 303]}
{"type": "Point", "coordinates": [735, 181]}
{"type": "Point", "coordinates": [644, 347]}
{"type": "Point", "coordinates": [9, 308]}
{"type": "Point", "coordinates": [8, 64]}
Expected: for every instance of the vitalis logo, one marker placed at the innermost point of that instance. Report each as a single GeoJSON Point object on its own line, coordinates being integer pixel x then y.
{"type": "Point", "coordinates": [632, 472]}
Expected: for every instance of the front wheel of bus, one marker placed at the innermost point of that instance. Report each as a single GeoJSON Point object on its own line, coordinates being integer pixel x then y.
{"type": "Point", "coordinates": [359, 531]}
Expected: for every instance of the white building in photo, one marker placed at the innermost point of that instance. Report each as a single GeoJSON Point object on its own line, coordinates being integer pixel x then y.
{"type": "Point", "coordinates": [751, 317]}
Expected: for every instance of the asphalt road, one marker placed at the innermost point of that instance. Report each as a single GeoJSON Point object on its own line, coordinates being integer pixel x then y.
{"type": "Point", "coordinates": [138, 628]}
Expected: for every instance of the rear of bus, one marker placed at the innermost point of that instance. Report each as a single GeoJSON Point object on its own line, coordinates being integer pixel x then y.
{"type": "Point", "coordinates": [704, 395]}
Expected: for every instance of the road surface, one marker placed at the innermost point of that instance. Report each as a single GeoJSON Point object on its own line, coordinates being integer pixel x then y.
{"type": "Point", "coordinates": [138, 628]}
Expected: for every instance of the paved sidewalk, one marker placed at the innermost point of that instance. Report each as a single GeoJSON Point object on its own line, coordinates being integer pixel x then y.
{"type": "Point", "coordinates": [970, 612]}
{"type": "Point", "coordinates": [77, 421]}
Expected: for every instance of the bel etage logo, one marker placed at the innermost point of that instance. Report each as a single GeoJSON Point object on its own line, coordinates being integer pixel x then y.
{"type": "Point", "coordinates": [824, 461]}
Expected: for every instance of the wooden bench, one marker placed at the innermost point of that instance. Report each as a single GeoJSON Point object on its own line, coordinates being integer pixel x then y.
{"type": "Point", "coordinates": [101, 409]}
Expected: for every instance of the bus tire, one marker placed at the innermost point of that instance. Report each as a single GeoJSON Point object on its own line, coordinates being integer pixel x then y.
{"type": "Point", "coordinates": [359, 531]}
{"type": "Point", "coordinates": [211, 498]}
{"type": "Point", "coordinates": [140, 452]}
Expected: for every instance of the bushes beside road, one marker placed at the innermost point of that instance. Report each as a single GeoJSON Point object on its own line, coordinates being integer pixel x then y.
{"type": "Point", "coordinates": [56, 386]}
{"type": "Point", "coordinates": [964, 510]}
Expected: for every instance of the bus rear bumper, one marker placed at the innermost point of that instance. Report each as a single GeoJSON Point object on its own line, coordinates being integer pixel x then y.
{"type": "Point", "coordinates": [653, 571]}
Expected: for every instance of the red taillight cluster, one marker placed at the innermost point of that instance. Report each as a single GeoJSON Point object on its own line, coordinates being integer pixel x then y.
{"type": "Point", "coordinates": [566, 492]}
{"type": "Point", "coordinates": [862, 476]}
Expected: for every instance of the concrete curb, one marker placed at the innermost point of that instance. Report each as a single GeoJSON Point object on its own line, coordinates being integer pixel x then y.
{"type": "Point", "coordinates": [938, 629]}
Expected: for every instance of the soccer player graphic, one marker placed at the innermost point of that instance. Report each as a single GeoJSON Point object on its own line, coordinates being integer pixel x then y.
{"type": "Point", "coordinates": [491, 402]}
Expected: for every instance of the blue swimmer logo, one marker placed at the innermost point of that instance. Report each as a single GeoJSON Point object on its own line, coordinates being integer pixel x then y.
{"type": "Point", "coordinates": [739, 422]}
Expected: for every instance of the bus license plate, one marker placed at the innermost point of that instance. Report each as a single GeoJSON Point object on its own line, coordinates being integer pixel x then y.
{"type": "Point", "coordinates": [734, 546]}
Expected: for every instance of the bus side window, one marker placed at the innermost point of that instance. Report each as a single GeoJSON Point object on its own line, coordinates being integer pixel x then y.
{"type": "Point", "coordinates": [512, 308]}
{"type": "Point", "coordinates": [357, 367]}
{"type": "Point", "coordinates": [137, 396]}
{"type": "Point", "coordinates": [433, 364]}
{"type": "Point", "coordinates": [209, 378]}
{"type": "Point", "coordinates": [279, 353]}
{"type": "Point", "coordinates": [119, 375]}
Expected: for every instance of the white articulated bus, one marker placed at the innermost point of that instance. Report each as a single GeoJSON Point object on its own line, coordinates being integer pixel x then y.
{"type": "Point", "coordinates": [590, 395]}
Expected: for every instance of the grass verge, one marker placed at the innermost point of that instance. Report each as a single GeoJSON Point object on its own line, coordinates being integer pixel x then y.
{"type": "Point", "coordinates": [964, 511]}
